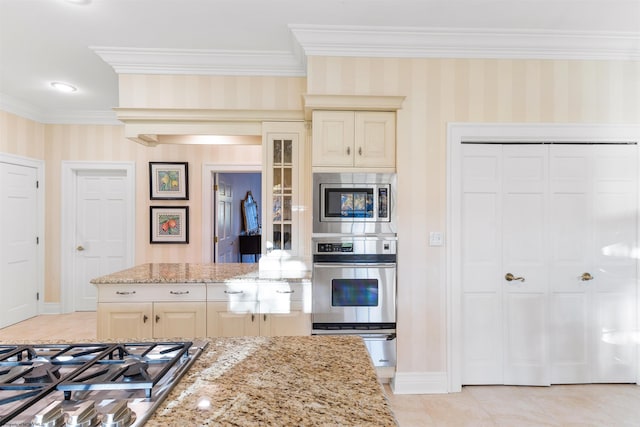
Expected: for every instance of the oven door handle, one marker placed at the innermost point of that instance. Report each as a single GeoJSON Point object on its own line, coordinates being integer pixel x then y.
{"type": "Point", "coordinates": [354, 264]}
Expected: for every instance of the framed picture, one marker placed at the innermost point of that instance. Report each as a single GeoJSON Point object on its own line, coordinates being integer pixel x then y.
{"type": "Point", "coordinates": [169, 224]}
{"type": "Point", "coordinates": [169, 180]}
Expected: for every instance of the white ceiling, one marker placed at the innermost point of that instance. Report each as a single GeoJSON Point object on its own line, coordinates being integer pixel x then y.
{"type": "Point", "coordinates": [87, 44]}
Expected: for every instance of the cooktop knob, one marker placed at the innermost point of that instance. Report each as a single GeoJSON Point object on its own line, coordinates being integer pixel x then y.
{"type": "Point", "coordinates": [51, 416]}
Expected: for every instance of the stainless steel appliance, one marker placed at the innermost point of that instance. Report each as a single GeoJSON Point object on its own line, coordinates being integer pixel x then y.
{"type": "Point", "coordinates": [354, 203]}
{"type": "Point", "coordinates": [73, 385]}
{"type": "Point", "coordinates": [354, 291]}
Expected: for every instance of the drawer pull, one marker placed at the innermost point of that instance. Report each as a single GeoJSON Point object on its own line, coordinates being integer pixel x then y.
{"type": "Point", "coordinates": [285, 292]}
{"type": "Point", "coordinates": [178, 292]}
{"type": "Point", "coordinates": [233, 292]}
{"type": "Point", "coordinates": [125, 292]}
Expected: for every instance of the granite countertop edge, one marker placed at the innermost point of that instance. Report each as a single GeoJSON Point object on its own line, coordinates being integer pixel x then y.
{"type": "Point", "coordinates": [199, 273]}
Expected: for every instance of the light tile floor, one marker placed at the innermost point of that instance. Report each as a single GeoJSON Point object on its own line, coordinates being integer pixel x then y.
{"type": "Point", "coordinates": [594, 405]}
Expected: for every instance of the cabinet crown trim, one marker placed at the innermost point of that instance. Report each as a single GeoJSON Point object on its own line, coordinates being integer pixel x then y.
{"type": "Point", "coordinates": [351, 103]}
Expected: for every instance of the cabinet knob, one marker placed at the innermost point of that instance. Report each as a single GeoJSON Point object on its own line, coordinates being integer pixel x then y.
{"type": "Point", "coordinates": [80, 248]}
{"type": "Point", "coordinates": [157, 318]}
{"type": "Point", "coordinates": [360, 151]}
{"type": "Point", "coordinates": [145, 318]}
{"type": "Point", "coordinates": [348, 151]}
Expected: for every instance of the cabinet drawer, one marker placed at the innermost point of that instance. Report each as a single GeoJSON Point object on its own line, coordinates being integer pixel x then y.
{"type": "Point", "coordinates": [232, 292]}
{"type": "Point", "coordinates": [283, 291]}
{"type": "Point", "coordinates": [135, 293]}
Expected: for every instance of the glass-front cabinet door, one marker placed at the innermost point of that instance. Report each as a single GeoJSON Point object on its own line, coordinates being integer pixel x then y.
{"type": "Point", "coordinates": [282, 192]}
{"type": "Point", "coordinates": [284, 153]}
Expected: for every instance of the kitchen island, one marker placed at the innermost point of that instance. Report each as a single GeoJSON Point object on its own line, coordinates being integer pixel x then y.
{"type": "Point", "coordinates": [166, 300]}
{"type": "Point", "coordinates": [278, 381]}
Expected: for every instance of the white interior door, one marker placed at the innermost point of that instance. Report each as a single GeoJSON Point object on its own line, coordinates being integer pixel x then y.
{"type": "Point", "coordinates": [18, 244]}
{"type": "Point", "coordinates": [100, 234]}
{"type": "Point", "coordinates": [225, 250]}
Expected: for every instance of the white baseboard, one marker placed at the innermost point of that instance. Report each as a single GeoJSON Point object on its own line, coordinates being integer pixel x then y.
{"type": "Point", "coordinates": [419, 383]}
{"type": "Point", "coordinates": [51, 308]}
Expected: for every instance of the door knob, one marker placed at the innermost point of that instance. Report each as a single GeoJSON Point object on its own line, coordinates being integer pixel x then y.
{"type": "Point", "coordinates": [586, 276]}
{"type": "Point", "coordinates": [510, 277]}
{"type": "Point", "coordinates": [80, 248]}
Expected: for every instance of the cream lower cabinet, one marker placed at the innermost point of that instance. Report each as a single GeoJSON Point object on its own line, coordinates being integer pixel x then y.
{"type": "Point", "coordinates": [151, 311]}
{"type": "Point", "coordinates": [125, 320]}
{"type": "Point", "coordinates": [282, 310]}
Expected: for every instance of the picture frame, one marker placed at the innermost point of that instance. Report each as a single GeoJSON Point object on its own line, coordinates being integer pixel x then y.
{"type": "Point", "coordinates": [169, 224]}
{"type": "Point", "coordinates": [169, 180]}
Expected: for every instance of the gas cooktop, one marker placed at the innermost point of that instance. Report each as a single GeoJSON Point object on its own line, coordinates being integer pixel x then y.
{"type": "Point", "coordinates": [89, 384]}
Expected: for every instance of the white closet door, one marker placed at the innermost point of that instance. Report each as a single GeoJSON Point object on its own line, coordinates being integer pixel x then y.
{"type": "Point", "coordinates": [593, 191]}
{"type": "Point", "coordinates": [524, 255]}
{"type": "Point", "coordinates": [504, 201]}
{"type": "Point", "coordinates": [614, 285]}
{"type": "Point", "coordinates": [571, 254]}
{"type": "Point", "coordinates": [481, 234]}
{"type": "Point", "coordinates": [547, 214]}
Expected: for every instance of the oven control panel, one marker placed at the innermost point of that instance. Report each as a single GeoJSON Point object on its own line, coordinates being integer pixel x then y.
{"type": "Point", "coordinates": [335, 247]}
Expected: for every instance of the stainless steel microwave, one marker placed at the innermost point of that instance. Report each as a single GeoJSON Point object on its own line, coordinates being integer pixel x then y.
{"type": "Point", "coordinates": [354, 203]}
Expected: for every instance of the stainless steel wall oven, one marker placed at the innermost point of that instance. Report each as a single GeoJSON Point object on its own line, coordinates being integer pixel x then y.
{"type": "Point", "coordinates": [354, 291]}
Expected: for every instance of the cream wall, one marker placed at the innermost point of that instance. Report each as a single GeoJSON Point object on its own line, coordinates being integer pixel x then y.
{"type": "Point", "coordinates": [440, 91]}
{"type": "Point", "coordinates": [211, 92]}
{"type": "Point", "coordinates": [21, 137]}
{"type": "Point", "coordinates": [56, 143]}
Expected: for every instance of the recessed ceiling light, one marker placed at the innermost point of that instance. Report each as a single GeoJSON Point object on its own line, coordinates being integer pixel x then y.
{"type": "Point", "coordinates": [78, 1]}
{"type": "Point", "coordinates": [63, 87]}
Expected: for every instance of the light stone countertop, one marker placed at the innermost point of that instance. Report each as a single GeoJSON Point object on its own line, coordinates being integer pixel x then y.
{"type": "Point", "coordinates": [279, 381]}
{"type": "Point", "coordinates": [157, 273]}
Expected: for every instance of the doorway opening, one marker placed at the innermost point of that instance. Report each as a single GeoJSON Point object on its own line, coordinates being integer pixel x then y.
{"type": "Point", "coordinates": [224, 189]}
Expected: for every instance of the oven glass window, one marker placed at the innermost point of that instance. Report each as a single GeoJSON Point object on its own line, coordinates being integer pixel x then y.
{"type": "Point", "coordinates": [354, 293]}
{"type": "Point", "coordinates": [348, 203]}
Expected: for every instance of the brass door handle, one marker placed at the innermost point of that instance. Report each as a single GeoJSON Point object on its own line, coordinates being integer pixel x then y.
{"type": "Point", "coordinates": [510, 277]}
{"type": "Point", "coordinates": [586, 276]}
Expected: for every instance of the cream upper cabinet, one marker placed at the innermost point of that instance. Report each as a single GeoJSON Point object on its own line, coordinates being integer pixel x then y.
{"type": "Point", "coordinates": [360, 139]}
{"type": "Point", "coordinates": [284, 185]}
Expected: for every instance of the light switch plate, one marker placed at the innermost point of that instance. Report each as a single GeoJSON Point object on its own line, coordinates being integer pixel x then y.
{"type": "Point", "coordinates": [436, 238]}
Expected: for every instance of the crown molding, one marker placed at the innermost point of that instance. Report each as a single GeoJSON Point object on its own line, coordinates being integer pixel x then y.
{"type": "Point", "coordinates": [416, 42]}
{"type": "Point", "coordinates": [81, 117]}
{"type": "Point", "coordinates": [201, 61]}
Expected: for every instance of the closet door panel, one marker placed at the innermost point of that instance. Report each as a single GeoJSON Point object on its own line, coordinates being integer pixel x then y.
{"type": "Point", "coordinates": [525, 324]}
